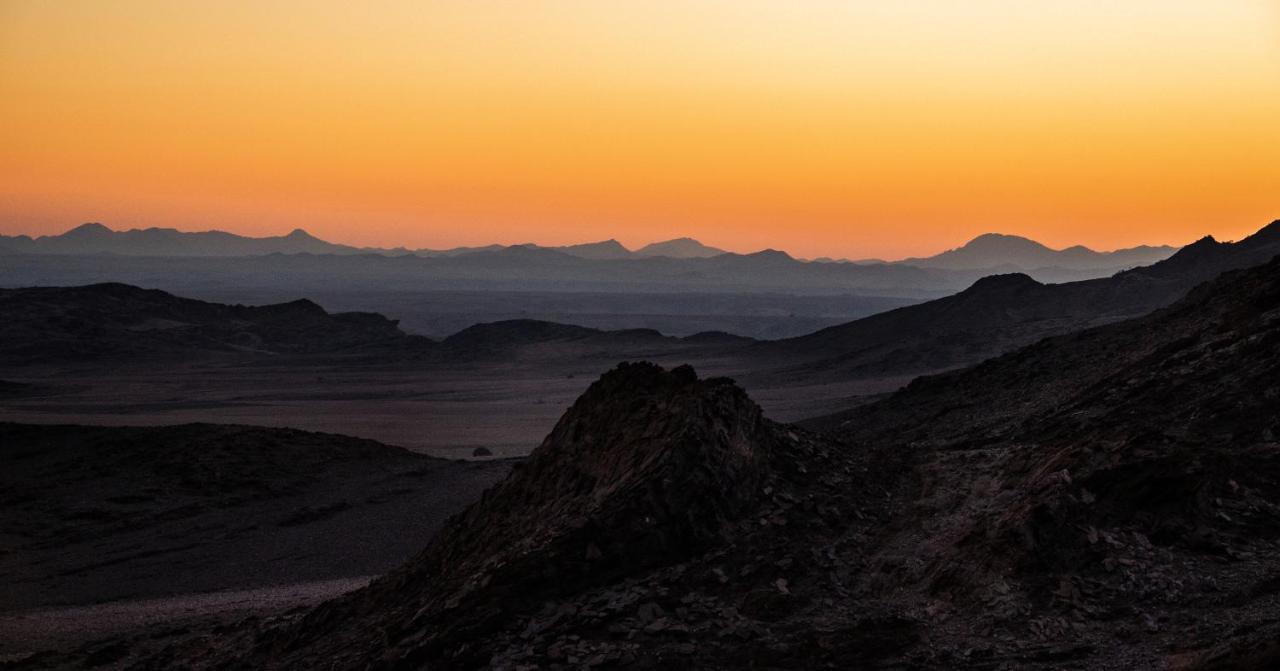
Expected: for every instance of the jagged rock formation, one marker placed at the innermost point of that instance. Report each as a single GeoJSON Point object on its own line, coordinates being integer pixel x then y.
{"type": "Point", "coordinates": [647, 470]}
{"type": "Point", "coordinates": [1109, 498]}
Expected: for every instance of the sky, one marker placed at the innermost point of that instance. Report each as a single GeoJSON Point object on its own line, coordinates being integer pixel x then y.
{"type": "Point", "coordinates": [843, 129]}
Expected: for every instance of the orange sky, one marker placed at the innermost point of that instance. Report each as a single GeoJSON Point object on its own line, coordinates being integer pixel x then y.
{"type": "Point", "coordinates": [848, 128]}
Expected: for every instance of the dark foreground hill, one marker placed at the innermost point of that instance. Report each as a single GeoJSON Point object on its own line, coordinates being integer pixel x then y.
{"type": "Point", "coordinates": [105, 513]}
{"type": "Point", "coordinates": [1108, 499]}
{"type": "Point", "coordinates": [117, 320]}
{"type": "Point", "coordinates": [1003, 312]}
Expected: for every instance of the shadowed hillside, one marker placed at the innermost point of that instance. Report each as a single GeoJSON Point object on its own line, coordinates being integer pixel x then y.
{"type": "Point", "coordinates": [118, 320]}
{"type": "Point", "coordinates": [105, 513]}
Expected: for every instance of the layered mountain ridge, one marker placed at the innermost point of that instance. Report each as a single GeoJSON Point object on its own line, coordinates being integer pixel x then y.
{"type": "Point", "coordinates": [989, 251]}
{"type": "Point", "coordinates": [118, 320]}
{"type": "Point", "coordinates": [1002, 312]}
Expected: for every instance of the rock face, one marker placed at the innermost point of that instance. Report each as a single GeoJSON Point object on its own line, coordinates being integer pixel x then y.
{"type": "Point", "coordinates": [1110, 497]}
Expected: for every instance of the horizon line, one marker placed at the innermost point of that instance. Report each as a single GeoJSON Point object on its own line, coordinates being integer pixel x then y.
{"type": "Point", "coordinates": [627, 248]}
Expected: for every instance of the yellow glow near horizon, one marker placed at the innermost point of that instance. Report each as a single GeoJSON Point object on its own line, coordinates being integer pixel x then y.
{"type": "Point", "coordinates": [825, 128]}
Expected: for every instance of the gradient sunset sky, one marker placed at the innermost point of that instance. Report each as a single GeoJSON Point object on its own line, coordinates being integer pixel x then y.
{"type": "Point", "coordinates": [855, 129]}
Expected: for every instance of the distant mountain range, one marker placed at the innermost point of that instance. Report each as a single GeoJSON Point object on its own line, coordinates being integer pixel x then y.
{"type": "Point", "coordinates": [98, 239]}
{"type": "Point", "coordinates": [994, 315]}
{"type": "Point", "coordinates": [94, 238]}
{"type": "Point", "coordinates": [989, 252]}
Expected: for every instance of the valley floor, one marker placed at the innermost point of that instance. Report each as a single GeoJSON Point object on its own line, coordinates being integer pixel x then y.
{"type": "Point", "coordinates": [25, 633]}
{"type": "Point", "coordinates": [442, 410]}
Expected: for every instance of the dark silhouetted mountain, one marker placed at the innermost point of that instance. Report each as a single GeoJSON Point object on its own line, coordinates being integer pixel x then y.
{"type": "Point", "coordinates": [994, 250]}
{"type": "Point", "coordinates": [118, 320]}
{"type": "Point", "coordinates": [607, 249]}
{"type": "Point", "coordinates": [1003, 312]}
{"type": "Point", "coordinates": [500, 335]}
{"type": "Point", "coordinates": [114, 321]}
{"type": "Point", "coordinates": [495, 338]}
{"type": "Point", "coordinates": [1098, 500]}
{"type": "Point", "coordinates": [679, 248]}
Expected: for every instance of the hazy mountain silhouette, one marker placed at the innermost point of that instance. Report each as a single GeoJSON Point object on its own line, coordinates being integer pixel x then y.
{"type": "Point", "coordinates": [606, 249]}
{"type": "Point", "coordinates": [94, 238]}
{"type": "Point", "coordinates": [994, 250]}
{"type": "Point", "coordinates": [986, 252]}
{"type": "Point", "coordinates": [1002, 312]}
{"type": "Point", "coordinates": [192, 262]}
{"type": "Point", "coordinates": [98, 239]}
{"type": "Point", "coordinates": [679, 248]}
{"type": "Point", "coordinates": [515, 268]}
{"type": "Point", "coordinates": [1094, 500]}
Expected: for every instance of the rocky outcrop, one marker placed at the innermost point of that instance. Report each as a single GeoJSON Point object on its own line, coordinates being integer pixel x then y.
{"type": "Point", "coordinates": [649, 469]}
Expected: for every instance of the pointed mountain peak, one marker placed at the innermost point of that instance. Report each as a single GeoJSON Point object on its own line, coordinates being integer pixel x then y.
{"type": "Point", "coordinates": [299, 234]}
{"type": "Point", "coordinates": [1267, 233]}
{"type": "Point", "coordinates": [1207, 242]}
{"type": "Point", "coordinates": [685, 248]}
{"type": "Point", "coordinates": [1001, 241]}
{"type": "Point", "coordinates": [771, 254]}
{"type": "Point", "coordinates": [89, 229]}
